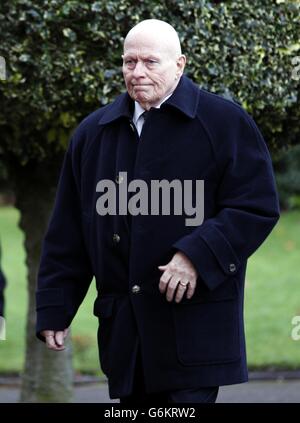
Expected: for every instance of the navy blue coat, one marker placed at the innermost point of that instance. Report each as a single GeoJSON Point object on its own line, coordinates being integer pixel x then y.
{"type": "Point", "coordinates": [195, 135]}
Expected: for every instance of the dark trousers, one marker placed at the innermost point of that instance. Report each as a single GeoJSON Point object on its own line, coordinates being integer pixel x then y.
{"type": "Point", "coordinates": [139, 395]}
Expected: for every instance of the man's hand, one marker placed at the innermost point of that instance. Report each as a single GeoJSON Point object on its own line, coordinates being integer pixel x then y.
{"type": "Point", "coordinates": [55, 339]}
{"type": "Point", "coordinates": [179, 273]}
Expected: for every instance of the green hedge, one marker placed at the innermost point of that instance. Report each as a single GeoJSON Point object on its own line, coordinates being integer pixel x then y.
{"type": "Point", "coordinates": [64, 60]}
{"type": "Point", "coordinates": [287, 172]}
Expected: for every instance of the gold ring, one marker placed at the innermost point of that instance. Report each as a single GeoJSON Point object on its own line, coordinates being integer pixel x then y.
{"type": "Point", "coordinates": [183, 284]}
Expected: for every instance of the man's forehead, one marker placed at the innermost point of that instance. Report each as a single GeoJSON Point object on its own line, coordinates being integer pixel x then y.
{"type": "Point", "coordinates": [146, 47]}
{"type": "Point", "coordinates": [143, 40]}
{"type": "Point", "coordinates": [142, 52]}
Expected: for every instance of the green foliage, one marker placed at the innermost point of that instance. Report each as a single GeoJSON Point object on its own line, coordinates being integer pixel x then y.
{"type": "Point", "coordinates": [287, 171]}
{"type": "Point", "coordinates": [64, 60]}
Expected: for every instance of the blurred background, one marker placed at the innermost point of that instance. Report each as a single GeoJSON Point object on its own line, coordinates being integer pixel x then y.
{"type": "Point", "coordinates": [60, 60]}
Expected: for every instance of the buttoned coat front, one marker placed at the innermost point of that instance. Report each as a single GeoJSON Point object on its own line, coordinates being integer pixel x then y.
{"type": "Point", "coordinates": [194, 135]}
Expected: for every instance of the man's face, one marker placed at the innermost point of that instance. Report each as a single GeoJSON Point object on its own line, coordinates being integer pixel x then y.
{"type": "Point", "coordinates": [149, 69]}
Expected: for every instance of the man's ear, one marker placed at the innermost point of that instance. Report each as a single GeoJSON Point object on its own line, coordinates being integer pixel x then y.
{"type": "Point", "coordinates": [181, 61]}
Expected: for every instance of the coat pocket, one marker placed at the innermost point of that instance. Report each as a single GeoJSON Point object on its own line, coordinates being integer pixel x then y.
{"type": "Point", "coordinates": [104, 310]}
{"type": "Point", "coordinates": [103, 307]}
{"type": "Point", "coordinates": [207, 331]}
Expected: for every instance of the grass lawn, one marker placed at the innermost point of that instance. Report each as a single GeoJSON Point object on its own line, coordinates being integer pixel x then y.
{"type": "Point", "coordinates": [84, 326]}
{"type": "Point", "coordinates": [272, 299]}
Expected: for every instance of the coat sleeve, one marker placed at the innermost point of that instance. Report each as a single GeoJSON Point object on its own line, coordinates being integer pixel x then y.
{"type": "Point", "coordinates": [247, 207]}
{"type": "Point", "coordinates": [65, 271]}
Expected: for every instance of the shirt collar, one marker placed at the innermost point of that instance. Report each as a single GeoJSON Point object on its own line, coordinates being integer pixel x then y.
{"type": "Point", "coordinates": [138, 110]}
{"type": "Point", "coordinates": [184, 98]}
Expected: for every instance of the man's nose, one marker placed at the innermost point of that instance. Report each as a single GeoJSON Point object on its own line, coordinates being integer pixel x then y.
{"type": "Point", "coordinates": [139, 70]}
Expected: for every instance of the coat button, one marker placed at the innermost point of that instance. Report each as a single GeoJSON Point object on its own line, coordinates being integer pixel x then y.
{"type": "Point", "coordinates": [135, 289]}
{"type": "Point", "coordinates": [119, 179]}
{"type": "Point", "coordinates": [232, 267]}
{"type": "Point", "coordinates": [116, 238]}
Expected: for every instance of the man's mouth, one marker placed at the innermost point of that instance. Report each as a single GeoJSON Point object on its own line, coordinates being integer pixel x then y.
{"type": "Point", "coordinates": [140, 85]}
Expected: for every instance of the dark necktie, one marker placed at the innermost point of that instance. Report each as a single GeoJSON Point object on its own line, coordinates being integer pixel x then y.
{"type": "Point", "coordinates": [145, 115]}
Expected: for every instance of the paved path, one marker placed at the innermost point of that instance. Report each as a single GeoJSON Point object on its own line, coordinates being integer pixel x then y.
{"type": "Point", "coordinates": [278, 391]}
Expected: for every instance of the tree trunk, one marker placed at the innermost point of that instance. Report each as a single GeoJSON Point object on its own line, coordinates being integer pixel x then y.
{"type": "Point", "coordinates": [48, 375]}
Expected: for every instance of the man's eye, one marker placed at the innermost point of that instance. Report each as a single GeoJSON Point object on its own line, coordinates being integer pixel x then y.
{"type": "Point", "coordinates": [151, 62]}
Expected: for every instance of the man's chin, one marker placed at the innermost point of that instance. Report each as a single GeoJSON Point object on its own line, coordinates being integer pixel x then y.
{"type": "Point", "coordinates": [141, 97]}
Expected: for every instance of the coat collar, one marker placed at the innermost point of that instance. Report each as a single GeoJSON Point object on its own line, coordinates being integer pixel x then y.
{"type": "Point", "coordinates": [185, 98]}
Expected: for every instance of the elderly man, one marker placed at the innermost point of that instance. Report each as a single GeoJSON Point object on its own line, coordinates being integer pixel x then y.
{"type": "Point", "coordinates": [170, 292]}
